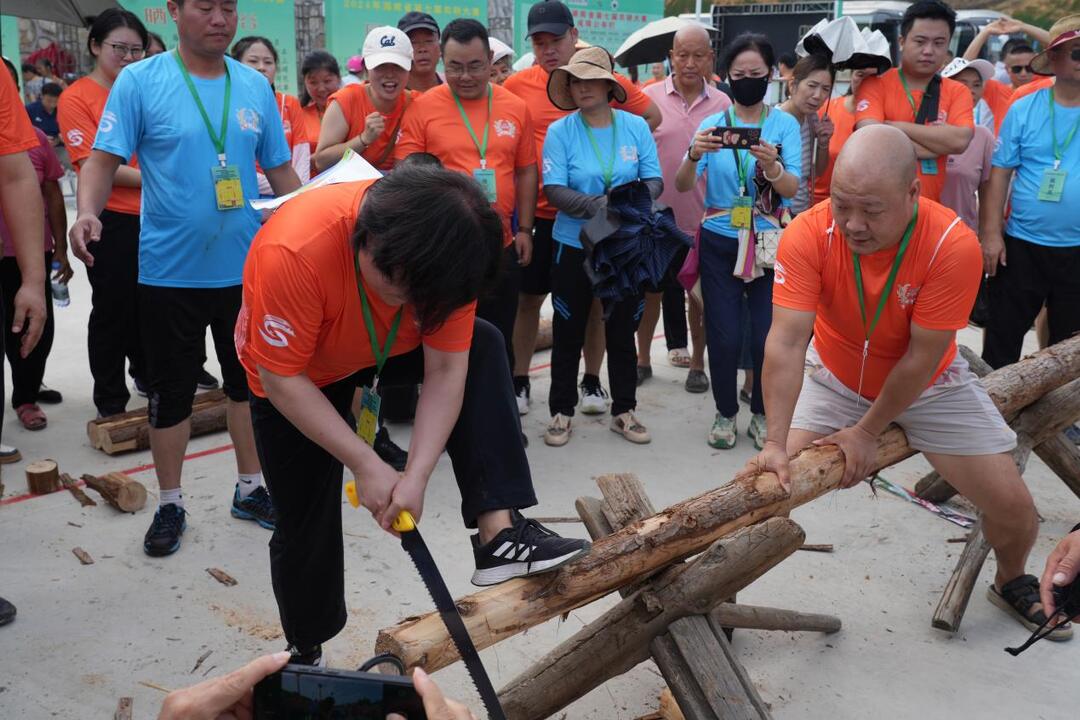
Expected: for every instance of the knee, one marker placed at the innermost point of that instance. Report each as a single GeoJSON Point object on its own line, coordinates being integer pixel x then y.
{"type": "Point", "coordinates": [1013, 507]}
{"type": "Point", "coordinates": [169, 408]}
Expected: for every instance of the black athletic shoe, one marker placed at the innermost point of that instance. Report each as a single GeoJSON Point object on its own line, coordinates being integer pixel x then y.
{"type": "Point", "coordinates": [207, 381]}
{"type": "Point", "coordinates": [390, 453]}
{"type": "Point", "coordinates": [140, 389]}
{"type": "Point", "coordinates": [527, 548]}
{"type": "Point", "coordinates": [257, 506]}
{"type": "Point", "coordinates": [48, 396]}
{"type": "Point", "coordinates": [163, 537]}
{"type": "Point", "coordinates": [7, 612]}
{"type": "Point", "coordinates": [313, 657]}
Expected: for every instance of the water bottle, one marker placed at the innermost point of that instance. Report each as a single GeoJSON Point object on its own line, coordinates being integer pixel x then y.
{"type": "Point", "coordinates": [61, 296]}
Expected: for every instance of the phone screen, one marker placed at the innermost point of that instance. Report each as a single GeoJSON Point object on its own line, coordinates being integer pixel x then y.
{"type": "Point", "coordinates": [329, 694]}
{"type": "Point", "coordinates": [741, 138]}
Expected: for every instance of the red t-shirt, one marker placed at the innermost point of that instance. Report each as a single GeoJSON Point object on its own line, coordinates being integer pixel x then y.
{"type": "Point", "coordinates": [356, 104]}
{"type": "Point", "coordinates": [301, 311]}
{"type": "Point", "coordinates": [935, 289]}
{"type": "Point", "coordinates": [883, 98]}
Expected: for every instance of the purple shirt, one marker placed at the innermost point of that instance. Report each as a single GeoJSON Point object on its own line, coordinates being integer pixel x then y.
{"type": "Point", "coordinates": [680, 122]}
{"type": "Point", "coordinates": [965, 173]}
{"type": "Point", "coordinates": [48, 168]}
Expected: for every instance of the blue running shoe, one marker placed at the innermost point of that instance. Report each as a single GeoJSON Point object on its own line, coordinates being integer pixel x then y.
{"type": "Point", "coordinates": [257, 506]}
{"type": "Point", "coordinates": [163, 537]}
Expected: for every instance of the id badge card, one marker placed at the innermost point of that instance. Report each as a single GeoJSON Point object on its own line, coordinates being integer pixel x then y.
{"type": "Point", "coordinates": [486, 178]}
{"type": "Point", "coordinates": [741, 212]}
{"type": "Point", "coordinates": [928, 166]}
{"type": "Point", "coordinates": [368, 423]}
{"type": "Point", "coordinates": [1052, 185]}
{"type": "Point", "coordinates": [227, 188]}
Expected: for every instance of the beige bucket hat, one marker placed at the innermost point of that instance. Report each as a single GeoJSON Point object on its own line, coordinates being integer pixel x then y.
{"type": "Point", "coordinates": [1064, 30]}
{"type": "Point", "coordinates": [592, 63]}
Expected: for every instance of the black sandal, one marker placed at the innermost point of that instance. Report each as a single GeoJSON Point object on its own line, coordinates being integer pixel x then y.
{"type": "Point", "coordinates": [1018, 598]}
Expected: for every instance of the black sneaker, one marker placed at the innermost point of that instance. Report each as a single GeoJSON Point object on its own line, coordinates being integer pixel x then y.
{"type": "Point", "coordinates": [313, 657]}
{"type": "Point", "coordinates": [48, 396]}
{"type": "Point", "coordinates": [140, 389]}
{"type": "Point", "coordinates": [527, 548]}
{"type": "Point", "coordinates": [257, 506]}
{"type": "Point", "coordinates": [7, 612]}
{"type": "Point", "coordinates": [390, 453]}
{"type": "Point", "coordinates": [207, 381]}
{"type": "Point", "coordinates": [163, 537]}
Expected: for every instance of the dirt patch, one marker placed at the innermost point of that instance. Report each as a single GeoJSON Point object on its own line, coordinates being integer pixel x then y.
{"type": "Point", "coordinates": [93, 679]}
{"type": "Point", "coordinates": [249, 622]}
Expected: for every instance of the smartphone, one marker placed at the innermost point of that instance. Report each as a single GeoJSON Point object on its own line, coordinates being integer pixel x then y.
{"type": "Point", "coordinates": [298, 692]}
{"type": "Point", "coordinates": [740, 138]}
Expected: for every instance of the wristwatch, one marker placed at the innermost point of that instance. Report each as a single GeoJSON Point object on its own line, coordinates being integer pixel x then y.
{"type": "Point", "coordinates": [525, 229]}
{"type": "Point", "coordinates": [690, 150]}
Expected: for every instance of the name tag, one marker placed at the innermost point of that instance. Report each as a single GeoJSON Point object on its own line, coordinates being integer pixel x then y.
{"type": "Point", "coordinates": [367, 424]}
{"type": "Point", "coordinates": [928, 166]}
{"type": "Point", "coordinates": [227, 188]}
{"type": "Point", "coordinates": [741, 212]}
{"type": "Point", "coordinates": [1052, 185]}
{"type": "Point", "coordinates": [486, 178]}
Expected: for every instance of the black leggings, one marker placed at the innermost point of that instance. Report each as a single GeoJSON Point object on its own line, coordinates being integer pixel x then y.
{"type": "Point", "coordinates": [26, 372]}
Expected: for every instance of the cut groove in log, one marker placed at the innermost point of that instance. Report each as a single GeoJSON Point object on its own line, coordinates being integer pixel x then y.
{"type": "Point", "coordinates": [72, 487]}
{"type": "Point", "coordinates": [43, 477]}
{"type": "Point", "coordinates": [689, 527]}
{"type": "Point", "coordinates": [954, 600]}
{"type": "Point", "coordinates": [122, 492]}
{"type": "Point", "coordinates": [131, 430]}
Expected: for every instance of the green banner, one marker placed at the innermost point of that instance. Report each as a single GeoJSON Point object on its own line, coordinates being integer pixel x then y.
{"type": "Point", "coordinates": [9, 42]}
{"type": "Point", "coordinates": [273, 19]}
{"type": "Point", "coordinates": [606, 23]}
{"type": "Point", "coordinates": [349, 21]}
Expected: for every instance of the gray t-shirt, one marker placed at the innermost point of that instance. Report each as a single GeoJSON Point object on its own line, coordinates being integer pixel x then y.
{"type": "Point", "coordinates": [804, 195]}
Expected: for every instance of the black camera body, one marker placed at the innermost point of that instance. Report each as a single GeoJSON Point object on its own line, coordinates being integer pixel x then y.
{"type": "Point", "coordinates": [299, 692]}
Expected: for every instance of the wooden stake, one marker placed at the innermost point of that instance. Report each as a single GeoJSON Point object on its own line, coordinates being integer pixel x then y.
{"type": "Point", "coordinates": [119, 490]}
{"type": "Point", "coordinates": [43, 477]}
{"type": "Point", "coordinates": [954, 600]}
{"type": "Point", "coordinates": [72, 487]}
{"type": "Point", "coordinates": [222, 577]}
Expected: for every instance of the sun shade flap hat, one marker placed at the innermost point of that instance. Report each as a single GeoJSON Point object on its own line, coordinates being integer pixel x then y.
{"type": "Point", "coordinates": [387, 45]}
{"type": "Point", "coordinates": [1064, 30]}
{"type": "Point", "coordinates": [592, 63]}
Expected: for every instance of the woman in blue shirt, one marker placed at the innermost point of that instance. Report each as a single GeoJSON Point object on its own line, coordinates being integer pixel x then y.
{"type": "Point", "coordinates": [729, 177]}
{"type": "Point", "coordinates": [586, 154]}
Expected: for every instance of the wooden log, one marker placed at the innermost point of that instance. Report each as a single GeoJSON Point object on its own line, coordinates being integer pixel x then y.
{"type": "Point", "coordinates": [954, 600]}
{"type": "Point", "coordinates": [131, 430]}
{"type": "Point", "coordinates": [1063, 457]}
{"type": "Point", "coordinates": [688, 527]}
{"type": "Point", "coordinates": [43, 477]}
{"type": "Point", "coordinates": [72, 487]}
{"type": "Point", "coordinates": [138, 416]}
{"type": "Point", "coordinates": [620, 639]}
{"type": "Point", "coordinates": [122, 492]}
{"type": "Point", "coordinates": [753, 617]}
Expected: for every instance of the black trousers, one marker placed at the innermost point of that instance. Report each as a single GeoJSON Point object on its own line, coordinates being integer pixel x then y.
{"type": "Point", "coordinates": [112, 335]}
{"type": "Point", "coordinates": [572, 297]}
{"type": "Point", "coordinates": [499, 306]}
{"type": "Point", "coordinates": [26, 373]}
{"type": "Point", "coordinates": [306, 554]}
{"type": "Point", "coordinates": [1036, 275]}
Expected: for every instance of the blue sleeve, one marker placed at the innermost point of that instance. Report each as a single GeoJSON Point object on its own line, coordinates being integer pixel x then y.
{"type": "Point", "coordinates": [1007, 146]}
{"type": "Point", "coordinates": [648, 160]}
{"type": "Point", "coordinates": [791, 153]}
{"type": "Point", "coordinates": [555, 169]}
{"type": "Point", "coordinates": [273, 150]}
{"type": "Point", "coordinates": [121, 125]}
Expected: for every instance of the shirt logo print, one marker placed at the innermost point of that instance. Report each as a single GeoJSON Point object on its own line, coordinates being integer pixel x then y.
{"type": "Point", "coordinates": [863, 106]}
{"type": "Point", "coordinates": [75, 137]}
{"type": "Point", "coordinates": [274, 331]}
{"type": "Point", "coordinates": [548, 165]}
{"type": "Point", "coordinates": [248, 119]}
{"type": "Point", "coordinates": [108, 120]}
{"type": "Point", "coordinates": [505, 128]}
{"type": "Point", "coordinates": [778, 273]}
{"type": "Point", "coordinates": [907, 294]}
{"type": "Point", "coordinates": [628, 153]}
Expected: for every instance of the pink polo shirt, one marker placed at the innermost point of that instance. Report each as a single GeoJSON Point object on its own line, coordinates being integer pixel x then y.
{"type": "Point", "coordinates": [680, 121]}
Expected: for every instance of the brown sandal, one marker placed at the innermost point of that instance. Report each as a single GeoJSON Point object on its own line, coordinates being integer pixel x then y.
{"type": "Point", "coordinates": [31, 416]}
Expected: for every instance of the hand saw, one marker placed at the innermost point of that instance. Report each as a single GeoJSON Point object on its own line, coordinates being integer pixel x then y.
{"type": "Point", "coordinates": [418, 551]}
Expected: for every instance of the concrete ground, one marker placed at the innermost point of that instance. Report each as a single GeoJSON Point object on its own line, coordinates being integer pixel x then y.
{"type": "Point", "coordinates": [87, 635]}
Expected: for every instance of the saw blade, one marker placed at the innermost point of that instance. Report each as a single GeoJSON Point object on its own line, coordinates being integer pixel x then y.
{"type": "Point", "coordinates": [418, 552]}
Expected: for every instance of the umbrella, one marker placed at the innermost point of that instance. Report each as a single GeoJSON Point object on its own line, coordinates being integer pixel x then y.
{"type": "Point", "coordinates": [68, 12]}
{"type": "Point", "coordinates": [651, 43]}
{"type": "Point", "coordinates": [845, 46]}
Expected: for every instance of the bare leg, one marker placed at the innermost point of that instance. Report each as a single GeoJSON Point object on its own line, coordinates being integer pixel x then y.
{"type": "Point", "coordinates": [595, 342]}
{"type": "Point", "coordinates": [526, 325]}
{"type": "Point", "coordinates": [238, 415]}
{"type": "Point", "coordinates": [647, 328]}
{"type": "Point", "coordinates": [697, 336]}
{"type": "Point", "coordinates": [490, 523]}
{"type": "Point", "coordinates": [1042, 329]}
{"type": "Point", "coordinates": [748, 381]}
{"type": "Point", "coordinates": [167, 446]}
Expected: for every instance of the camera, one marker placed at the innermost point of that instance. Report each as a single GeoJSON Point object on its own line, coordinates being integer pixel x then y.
{"type": "Point", "coordinates": [299, 692]}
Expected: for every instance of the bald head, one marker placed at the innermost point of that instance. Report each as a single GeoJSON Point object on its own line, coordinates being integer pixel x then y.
{"type": "Point", "coordinates": [692, 34]}
{"type": "Point", "coordinates": [691, 60]}
{"type": "Point", "coordinates": [876, 157]}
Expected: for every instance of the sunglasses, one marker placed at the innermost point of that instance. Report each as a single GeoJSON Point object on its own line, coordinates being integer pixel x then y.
{"type": "Point", "coordinates": [1020, 69]}
{"type": "Point", "coordinates": [1074, 55]}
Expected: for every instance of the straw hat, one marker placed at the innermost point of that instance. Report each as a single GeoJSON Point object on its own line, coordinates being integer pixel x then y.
{"type": "Point", "coordinates": [592, 63]}
{"type": "Point", "coordinates": [1064, 30]}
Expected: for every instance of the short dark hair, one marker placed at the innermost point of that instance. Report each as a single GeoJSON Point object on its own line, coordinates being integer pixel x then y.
{"type": "Point", "coordinates": [241, 46]}
{"type": "Point", "coordinates": [112, 19]}
{"type": "Point", "coordinates": [317, 60]}
{"type": "Point", "coordinates": [464, 31]}
{"type": "Point", "coordinates": [807, 65]}
{"type": "Point", "coordinates": [29, 68]}
{"type": "Point", "coordinates": [788, 58]}
{"type": "Point", "coordinates": [51, 88]}
{"type": "Point", "coordinates": [1014, 46]}
{"type": "Point", "coordinates": [433, 232]}
{"type": "Point", "coordinates": [14, 74]}
{"type": "Point", "coordinates": [928, 10]}
{"type": "Point", "coordinates": [155, 38]}
{"type": "Point", "coordinates": [748, 41]}
{"type": "Point", "coordinates": [419, 159]}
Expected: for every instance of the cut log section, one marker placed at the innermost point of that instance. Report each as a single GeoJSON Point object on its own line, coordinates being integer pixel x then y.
{"type": "Point", "coordinates": [122, 492]}
{"type": "Point", "coordinates": [131, 430]}
{"type": "Point", "coordinates": [689, 527]}
{"type": "Point", "coordinates": [43, 477]}
{"type": "Point", "coordinates": [72, 487]}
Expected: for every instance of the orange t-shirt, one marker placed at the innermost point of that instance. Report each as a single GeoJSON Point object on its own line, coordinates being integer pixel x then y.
{"type": "Point", "coordinates": [997, 94]}
{"type": "Point", "coordinates": [843, 125]}
{"type": "Point", "coordinates": [16, 132]}
{"type": "Point", "coordinates": [531, 86]}
{"type": "Point", "coordinates": [935, 289]}
{"type": "Point", "coordinates": [292, 119]}
{"type": "Point", "coordinates": [434, 125]}
{"type": "Point", "coordinates": [1033, 86]}
{"type": "Point", "coordinates": [356, 103]}
{"type": "Point", "coordinates": [883, 98]}
{"type": "Point", "coordinates": [312, 124]}
{"type": "Point", "coordinates": [79, 113]}
{"type": "Point", "coordinates": [301, 312]}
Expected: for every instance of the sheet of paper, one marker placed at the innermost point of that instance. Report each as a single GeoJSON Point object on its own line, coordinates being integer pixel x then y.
{"type": "Point", "coordinates": [351, 168]}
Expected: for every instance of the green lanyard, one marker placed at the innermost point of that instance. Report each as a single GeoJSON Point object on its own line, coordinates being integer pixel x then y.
{"type": "Point", "coordinates": [607, 167]}
{"type": "Point", "coordinates": [742, 162]}
{"type": "Point", "coordinates": [480, 146]}
{"type": "Point", "coordinates": [1059, 151]}
{"type": "Point", "coordinates": [869, 330]}
{"type": "Point", "coordinates": [910, 97]}
{"type": "Point", "coordinates": [380, 356]}
{"type": "Point", "coordinates": [218, 140]}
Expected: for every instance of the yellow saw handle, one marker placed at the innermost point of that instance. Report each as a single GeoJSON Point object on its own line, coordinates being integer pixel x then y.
{"type": "Point", "coordinates": [350, 492]}
{"type": "Point", "coordinates": [405, 522]}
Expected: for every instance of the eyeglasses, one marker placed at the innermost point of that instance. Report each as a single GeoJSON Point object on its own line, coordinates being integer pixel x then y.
{"type": "Point", "coordinates": [120, 50]}
{"type": "Point", "coordinates": [473, 69]}
{"type": "Point", "coordinates": [1020, 69]}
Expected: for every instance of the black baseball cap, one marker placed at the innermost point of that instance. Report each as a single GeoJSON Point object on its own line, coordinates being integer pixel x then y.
{"type": "Point", "coordinates": [417, 21]}
{"type": "Point", "coordinates": [549, 16]}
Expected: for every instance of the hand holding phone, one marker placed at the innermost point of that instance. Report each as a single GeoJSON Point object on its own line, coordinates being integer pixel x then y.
{"type": "Point", "coordinates": [740, 138]}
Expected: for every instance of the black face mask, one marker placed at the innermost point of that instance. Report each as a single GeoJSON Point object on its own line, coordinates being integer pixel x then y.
{"type": "Point", "coordinates": [749, 91]}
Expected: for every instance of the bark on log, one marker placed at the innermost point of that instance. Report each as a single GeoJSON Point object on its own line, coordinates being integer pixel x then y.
{"type": "Point", "coordinates": [752, 617]}
{"type": "Point", "coordinates": [621, 637]}
{"type": "Point", "coordinates": [688, 527]}
{"type": "Point", "coordinates": [73, 487]}
{"type": "Point", "coordinates": [131, 430]}
{"type": "Point", "coordinates": [954, 600]}
{"type": "Point", "coordinates": [1063, 457]}
{"type": "Point", "coordinates": [43, 477]}
{"type": "Point", "coordinates": [122, 492]}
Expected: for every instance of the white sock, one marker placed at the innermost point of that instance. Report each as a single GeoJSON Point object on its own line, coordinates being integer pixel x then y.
{"type": "Point", "coordinates": [171, 497]}
{"type": "Point", "coordinates": [248, 483]}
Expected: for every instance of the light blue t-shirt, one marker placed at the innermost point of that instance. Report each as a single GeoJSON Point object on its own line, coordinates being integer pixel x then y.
{"type": "Point", "coordinates": [185, 240]}
{"type": "Point", "coordinates": [570, 160]}
{"type": "Point", "coordinates": [722, 175]}
{"type": "Point", "coordinates": [1025, 145]}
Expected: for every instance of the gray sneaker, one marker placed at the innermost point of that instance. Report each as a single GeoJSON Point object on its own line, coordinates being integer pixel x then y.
{"type": "Point", "coordinates": [723, 434]}
{"type": "Point", "coordinates": [757, 430]}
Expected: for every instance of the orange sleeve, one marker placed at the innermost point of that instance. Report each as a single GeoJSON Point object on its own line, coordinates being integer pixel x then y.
{"type": "Point", "coordinates": [526, 149]}
{"type": "Point", "coordinates": [456, 333]}
{"type": "Point", "coordinates": [16, 132]}
{"type": "Point", "coordinates": [797, 279]}
{"type": "Point", "coordinates": [870, 100]}
{"type": "Point", "coordinates": [637, 102]}
{"type": "Point", "coordinates": [297, 122]}
{"type": "Point", "coordinates": [412, 138]}
{"type": "Point", "coordinates": [945, 300]}
{"type": "Point", "coordinates": [958, 105]}
{"type": "Point", "coordinates": [78, 126]}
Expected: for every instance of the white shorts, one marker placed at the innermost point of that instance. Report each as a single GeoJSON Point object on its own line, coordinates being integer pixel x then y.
{"type": "Point", "coordinates": [954, 416]}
